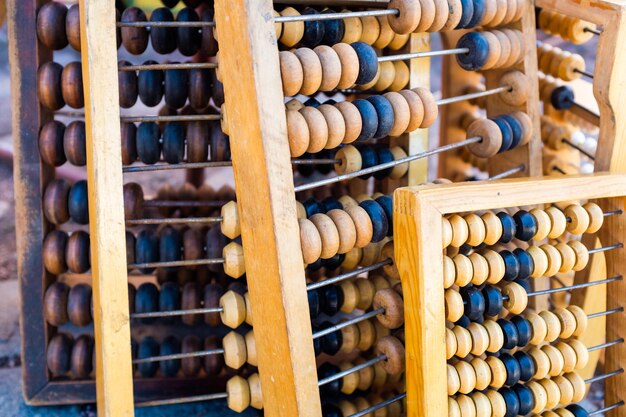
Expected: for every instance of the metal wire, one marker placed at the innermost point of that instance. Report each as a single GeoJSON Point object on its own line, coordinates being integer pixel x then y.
{"type": "Point", "coordinates": [575, 287]}
{"type": "Point", "coordinates": [605, 313]}
{"type": "Point", "coordinates": [177, 118]}
{"type": "Point", "coordinates": [352, 370]}
{"type": "Point", "coordinates": [613, 213]}
{"type": "Point", "coordinates": [585, 73]}
{"type": "Point", "coordinates": [347, 275]}
{"type": "Point", "coordinates": [579, 149]}
{"type": "Point", "coordinates": [183, 203]}
{"type": "Point", "coordinates": [339, 326]}
{"type": "Point", "coordinates": [415, 55]}
{"type": "Point", "coordinates": [183, 400]}
{"type": "Point", "coordinates": [175, 313]}
{"type": "Point", "coordinates": [173, 264]}
{"type": "Point", "coordinates": [199, 24]}
{"type": "Point", "coordinates": [165, 67]}
{"type": "Point", "coordinates": [176, 356]}
{"type": "Point", "coordinates": [594, 31]}
{"type": "Point", "coordinates": [508, 173]}
{"type": "Point", "coordinates": [335, 16]}
{"type": "Point", "coordinates": [184, 165]}
{"type": "Point", "coordinates": [605, 409]}
{"type": "Point", "coordinates": [603, 377]}
{"type": "Point", "coordinates": [184, 220]}
{"type": "Point", "coordinates": [444, 101]}
{"type": "Point", "coordinates": [379, 405]}
{"type": "Point", "coordinates": [606, 248]}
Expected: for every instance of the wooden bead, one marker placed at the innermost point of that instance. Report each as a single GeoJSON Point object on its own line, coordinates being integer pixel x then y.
{"type": "Point", "coordinates": [467, 406]}
{"type": "Point", "coordinates": [540, 261]}
{"type": "Point", "coordinates": [51, 143]}
{"type": "Point", "coordinates": [234, 309]}
{"type": "Point", "coordinates": [292, 32]}
{"type": "Point", "coordinates": [553, 396]}
{"type": "Point", "coordinates": [460, 230]}
{"type": "Point", "coordinates": [451, 344]}
{"type": "Point", "coordinates": [441, 16]}
{"type": "Point", "coordinates": [553, 325]}
{"type": "Point", "coordinates": [352, 120]}
{"type": "Point", "coordinates": [496, 266]}
{"type": "Point", "coordinates": [498, 372]}
{"type": "Point", "coordinates": [399, 41]}
{"type": "Point", "coordinates": [416, 109]}
{"type": "Point", "coordinates": [135, 39]}
{"type": "Point", "coordinates": [297, 133]}
{"type": "Point", "coordinates": [75, 142]}
{"type": "Point", "coordinates": [401, 111]}
{"type": "Point", "coordinates": [367, 291]}
{"type": "Point", "coordinates": [292, 73]}
{"type": "Point", "coordinates": [431, 111]}
{"type": "Point", "coordinates": [446, 232]}
{"type": "Point", "coordinates": [393, 349]}
{"type": "Point", "coordinates": [408, 17]}
{"type": "Point", "coordinates": [499, 15]}
{"type": "Point", "coordinates": [582, 353]}
{"type": "Point", "coordinates": [331, 67]}
{"type": "Point", "coordinates": [428, 14]}
{"type": "Point", "coordinates": [539, 327]}
{"type": "Point", "coordinates": [72, 85]}
{"type": "Point", "coordinates": [349, 65]}
{"type": "Point", "coordinates": [77, 253]}
{"type": "Point", "coordinates": [363, 224]}
{"type": "Point", "coordinates": [518, 84]}
{"type": "Point", "coordinates": [464, 271]}
{"type": "Point", "coordinates": [539, 394]}
{"type": "Point", "coordinates": [482, 404]}
{"type": "Point", "coordinates": [543, 224]}
{"type": "Point", "coordinates": [580, 389]}
{"type": "Point", "coordinates": [256, 395]}
{"type": "Point", "coordinates": [496, 336]}
{"type": "Point", "coordinates": [554, 259]}
{"type": "Point", "coordinates": [453, 305]}
{"type": "Point", "coordinates": [51, 19]}
{"type": "Point", "coordinates": [449, 272]}
{"type": "Point", "coordinates": [516, 47]}
{"type": "Point", "coordinates": [367, 335]}
{"type": "Point", "coordinates": [517, 298]}
{"type": "Point", "coordinates": [578, 219]}
{"type": "Point", "coordinates": [371, 29]}
{"type": "Point", "coordinates": [55, 201]}
{"type": "Point", "coordinates": [353, 29]}
{"type": "Point", "coordinates": [350, 382]}
{"type": "Point", "coordinates": [493, 228]}
{"type": "Point", "coordinates": [569, 356]}
{"type": "Point", "coordinates": [463, 341]}
{"type": "Point", "coordinates": [498, 405]}
{"type": "Point", "coordinates": [318, 128]}
{"type": "Point", "coordinates": [476, 228]}
{"type": "Point", "coordinates": [556, 359]}
{"type": "Point", "coordinates": [49, 86]}
{"type": "Point", "coordinates": [453, 408]}
{"type": "Point", "coordinates": [542, 362]}
{"type": "Point", "coordinates": [480, 339]}
{"type": "Point", "coordinates": [454, 382]}
{"type": "Point", "coordinates": [568, 257]}
{"type": "Point", "coordinates": [568, 322]}
{"type": "Point", "coordinates": [347, 408]}
{"type": "Point", "coordinates": [402, 76]}
{"type": "Point", "coordinates": [350, 160]}
{"type": "Point", "coordinates": [336, 125]}
{"type": "Point", "coordinates": [310, 241]}
{"type": "Point", "coordinates": [350, 338]}
{"type": "Point", "coordinates": [581, 319]}
{"type": "Point", "coordinates": [235, 353]}
{"type": "Point", "coordinates": [467, 376]}
{"type": "Point", "coordinates": [480, 268]}
{"type": "Point", "coordinates": [393, 305]}
{"type": "Point", "coordinates": [346, 229]}
{"type": "Point", "coordinates": [229, 225]}
{"type": "Point", "coordinates": [238, 392]}
{"type": "Point", "coordinates": [596, 217]}
{"type": "Point", "coordinates": [312, 70]}
{"type": "Point", "coordinates": [495, 50]}
{"type": "Point", "coordinates": [58, 354]}
{"type": "Point", "coordinates": [558, 221]}
{"type": "Point", "coordinates": [491, 136]}
{"type": "Point", "coordinates": [55, 304]}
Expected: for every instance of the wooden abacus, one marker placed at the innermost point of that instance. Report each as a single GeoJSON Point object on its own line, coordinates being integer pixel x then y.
{"type": "Point", "coordinates": [436, 291]}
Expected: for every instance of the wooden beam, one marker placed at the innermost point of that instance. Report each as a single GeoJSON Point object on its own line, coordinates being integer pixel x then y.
{"type": "Point", "coordinates": [257, 127]}
{"type": "Point", "coordinates": [114, 380]}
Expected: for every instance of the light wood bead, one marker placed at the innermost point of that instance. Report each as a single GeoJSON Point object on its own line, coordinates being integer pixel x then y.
{"type": "Point", "coordinates": [427, 18]}
{"type": "Point", "coordinates": [495, 334]}
{"type": "Point", "coordinates": [558, 221]}
{"type": "Point", "coordinates": [519, 85]}
{"type": "Point", "coordinates": [553, 396]}
{"type": "Point", "coordinates": [366, 375]}
{"type": "Point", "coordinates": [386, 33]}
{"type": "Point", "coordinates": [476, 229]}
{"type": "Point", "coordinates": [483, 373]}
{"type": "Point", "coordinates": [451, 344]}
{"type": "Point", "coordinates": [352, 120]}
{"type": "Point", "coordinates": [582, 353]}
{"type": "Point", "coordinates": [349, 62]}
{"type": "Point", "coordinates": [493, 228]}
{"type": "Point", "coordinates": [596, 217]}
{"type": "Point", "coordinates": [431, 110]}
{"type": "Point", "coordinates": [568, 257]}
{"type": "Point", "coordinates": [498, 17]}
{"type": "Point", "coordinates": [490, 134]}
{"type": "Point", "coordinates": [238, 392]}
{"type": "Point", "coordinates": [553, 325]}
{"type": "Point", "coordinates": [371, 29]}
{"type": "Point", "coordinates": [464, 270]}
{"type": "Point", "coordinates": [581, 319]}
{"type": "Point", "coordinates": [579, 219]}
{"type": "Point", "coordinates": [480, 268]}
{"type": "Point", "coordinates": [351, 296]}
{"type": "Point", "coordinates": [467, 376]}
{"type": "Point", "coordinates": [480, 338]}
{"type": "Point", "coordinates": [312, 69]}
{"type": "Point", "coordinates": [511, 11]}
{"type": "Point", "coordinates": [352, 259]}
{"type": "Point", "coordinates": [527, 127]}
{"type": "Point", "coordinates": [399, 41]}
{"type": "Point", "coordinates": [496, 266]}
{"type": "Point", "coordinates": [539, 326]}
{"type": "Point", "coordinates": [362, 404]}
{"type": "Point", "coordinates": [403, 75]}
{"type": "Point", "coordinates": [401, 112]}
{"type": "Point", "coordinates": [331, 67]}
{"type": "Point", "coordinates": [366, 292]}
{"type": "Point", "coordinates": [554, 260]}
{"type": "Point", "coordinates": [453, 305]}
{"type": "Point", "coordinates": [582, 255]}
{"type": "Point", "coordinates": [393, 305]}
{"type": "Point", "coordinates": [347, 201]}
{"type": "Point", "coordinates": [542, 362]}
{"type": "Point", "coordinates": [347, 408]}
{"type": "Point", "coordinates": [399, 171]}
{"type": "Point", "coordinates": [556, 359]}
{"type": "Point", "coordinates": [453, 408]}
{"type": "Point", "coordinates": [251, 349]}
{"type": "Point", "coordinates": [353, 29]}
{"type": "Point", "coordinates": [230, 220]}
{"type": "Point", "coordinates": [380, 376]}
{"type": "Point", "coordinates": [345, 228]}
{"type": "Point", "coordinates": [416, 108]}
{"type": "Point", "coordinates": [350, 160]}
{"type": "Point", "coordinates": [518, 298]}
{"type": "Point", "coordinates": [351, 381]}
{"type": "Point", "coordinates": [234, 309]}
{"type": "Point", "coordinates": [256, 395]}
{"type": "Point", "coordinates": [371, 253]}
{"type": "Point", "coordinates": [540, 261]}
{"type": "Point", "coordinates": [310, 241]}
{"type": "Point", "coordinates": [446, 232]}
{"type": "Point", "coordinates": [374, 398]}
{"type": "Point", "coordinates": [442, 13]}
{"type": "Point", "coordinates": [363, 224]}
{"type": "Point", "coordinates": [495, 51]}
{"type": "Point", "coordinates": [463, 341]}
{"type": "Point", "coordinates": [540, 395]}
{"type": "Point", "coordinates": [505, 48]}
{"type": "Point", "coordinates": [278, 26]}
{"type": "Point", "coordinates": [564, 412]}
{"type": "Point", "coordinates": [235, 354]}
{"type": "Point", "coordinates": [498, 372]}
{"type": "Point", "coordinates": [580, 388]}
{"type": "Point", "coordinates": [367, 335]}
{"type": "Point", "coordinates": [482, 404]}
{"type": "Point", "coordinates": [318, 128]}
{"type": "Point", "coordinates": [387, 73]}
{"type": "Point", "coordinates": [297, 133]}
{"type": "Point", "coordinates": [454, 382]}
{"type": "Point", "coordinates": [569, 356]}
{"type": "Point", "coordinates": [568, 322]}
{"type": "Point", "coordinates": [246, 299]}
{"type": "Point", "coordinates": [460, 230]}
{"type": "Point", "coordinates": [543, 224]}
{"type": "Point", "coordinates": [291, 73]}
{"type": "Point", "coordinates": [234, 265]}
{"type": "Point", "coordinates": [336, 125]}
{"type": "Point", "coordinates": [517, 47]}
{"type": "Point", "coordinates": [498, 405]}
{"type": "Point", "coordinates": [292, 31]}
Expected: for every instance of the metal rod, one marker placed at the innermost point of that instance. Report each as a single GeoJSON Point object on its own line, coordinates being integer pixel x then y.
{"type": "Point", "coordinates": [184, 220]}
{"type": "Point", "coordinates": [586, 114]}
{"type": "Point", "coordinates": [352, 370]}
{"type": "Point", "coordinates": [508, 173]}
{"type": "Point", "coordinates": [444, 101]}
{"type": "Point", "coordinates": [579, 149]}
{"type": "Point", "coordinates": [347, 275]}
{"type": "Point", "coordinates": [335, 16]}
{"type": "Point", "coordinates": [321, 161]}
{"type": "Point", "coordinates": [164, 67]}
{"type": "Point", "coordinates": [606, 248]}
{"type": "Point", "coordinates": [177, 118]}
{"type": "Point", "coordinates": [605, 313]}
{"type": "Point", "coordinates": [387, 165]}
{"type": "Point", "coordinates": [594, 31]}
{"type": "Point", "coordinates": [176, 356]}
{"type": "Point", "coordinates": [557, 169]}
{"type": "Point", "coordinates": [339, 326]}
{"type": "Point", "coordinates": [605, 409]}
{"type": "Point", "coordinates": [183, 400]}
{"type": "Point", "coordinates": [603, 377]}
{"type": "Point", "coordinates": [182, 203]}
{"type": "Point", "coordinates": [185, 165]}
{"type": "Point", "coordinates": [415, 55]}
{"type": "Point", "coordinates": [173, 264]}
{"type": "Point", "coordinates": [613, 213]}
{"type": "Point", "coordinates": [174, 313]}
{"type": "Point", "coordinates": [380, 405]}
{"type": "Point", "coordinates": [575, 287]}
{"type": "Point", "coordinates": [585, 73]}
{"type": "Point", "coordinates": [164, 24]}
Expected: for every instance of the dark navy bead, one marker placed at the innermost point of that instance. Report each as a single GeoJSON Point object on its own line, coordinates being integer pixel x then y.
{"type": "Point", "coordinates": [174, 143]}
{"type": "Point", "coordinates": [150, 85]}
{"type": "Point", "coordinates": [526, 399]}
{"type": "Point", "coordinates": [526, 364]}
{"type": "Point", "coordinates": [333, 388]}
{"type": "Point", "coordinates": [386, 202]}
{"type": "Point", "coordinates": [369, 158]}
{"type": "Point", "coordinates": [317, 344]}
{"type": "Point", "coordinates": [525, 225]}
{"type": "Point", "coordinates": [189, 38]}
{"type": "Point", "coordinates": [313, 29]}
{"type": "Point", "coordinates": [467, 6]}
{"type": "Point", "coordinates": [516, 127]}
{"type": "Point", "coordinates": [464, 321]}
{"type": "Point", "coordinates": [478, 51]}
{"type": "Point", "coordinates": [312, 206]}
{"type": "Point", "coordinates": [384, 156]}
{"type": "Point", "coordinates": [380, 224]}
{"type": "Point", "coordinates": [493, 300]}
{"type": "Point", "coordinates": [465, 249]}
{"type": "Point", "coordinates": [329, 410]}
{"type": "Point", "coordinates": [510, 334]}
{"type": "Point", "coordinates": [335, 262]}
{"type": "Point", "coordinates": [176, 88]}
{"type": "Point", "coordinates": [78, 202]}
{"type": "Point", "coordinates": [369, 119]}
{"type": "Point", "coordinates": [147, 300]}
{"type": "Point", "coordinates": [524, 330]}
{"type": "Point", "coordinates": [511, 265]}
{"type": "Point", "coordinates": [170, 346]}
{"type": "Point", "coordinates": [312, 102]}
{"type": "Point", "coordinates": [513, 369]}
{"type": "Point", "coordinates": [386, 117]}
{"type": "Point", "coordinates": [474, 302]}
{"type": "Point", "coordinates": [508, 227]}
{"type": "Point", "coordinates": [330, 101]}
{"type": "Point", "coordinates": [148, 145]}
{"type": "Point", "coordinates": [163, 39]}
{"type": "Point", "coordinates": [368, 62]}
{"type": "Point", "coordinates": [577, 410]}
{"type": "Point", "coordinates": [314, 303]}
{"type": "Point", "coordinates": [526, 263]}
{"type": "Point", "coordinates": [331, 343]}
{"type": "Point", "coordinates": [325, 154]}
{"type": "Point", "coordinates": [331, 203]}
{"type": "Point", "coordinates": [169, 299]}
{"type": "Point", "coordinates": [333, 30]}
{"type": "Point", "coordinates": [148, 347]}
{"type": "Point", "coordinates": [146, 249]}
{"type": "Point", "coordinates": [525, 283]}
{"type": "Point", "coordinates": [511, 401]}
{"type": "Point", "coordinates": [331, 299]}
{"type": "Point", "coordinates": [306, 170]}
{"type": "Point", "coordinates": [507, 133]}
{"type": "Point", "coordinates": [562, 98]}
{"type": "Point", "coordinates": [170, 246]}
{"type": "Point", "coordinates": [479, 13]}
{"type": "Point", "coordinates": [315, 266]}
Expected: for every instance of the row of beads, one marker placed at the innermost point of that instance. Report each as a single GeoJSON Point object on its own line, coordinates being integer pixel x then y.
{"type": "Point", "coordinates": [391, 76]}
{"type": "Point", "coordinates": [361, 336]}
{"type": "Point", "coordinates": [490, 301]}
{"type": "Point", "coordinates": [356, 158]}
{"type": "Point", "coordinates": [551, 90]}
{"type": "Point", "coordinates": [537, 225]}
{"type": "Point", "coordinates": [346, 408]}
{"type": "Point", "coordinates": [187, 192]}
{"type": "Point", "coordinates": [490, 403]}
{"type": "Point", "coordinates": [491, 49]}
{"type": "Point", "coordinates": [558, 63]}
{"type": "Point", "coordinates": [500, 134]}
{"type": "Point", "coordinates": [553, 133]}
{"type": "Point", "coordinates": [568, 28]}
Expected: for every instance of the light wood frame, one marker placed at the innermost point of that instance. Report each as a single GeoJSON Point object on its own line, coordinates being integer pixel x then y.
{"type": "Point", "coordinates": [418, 213]}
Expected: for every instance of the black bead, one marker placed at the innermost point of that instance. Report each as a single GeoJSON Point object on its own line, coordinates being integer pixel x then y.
{"type": "Point", "coordinates": [170, 3]}
{"type": "Point", "coordinates": [325, 169]}
{"type": "Point", "coordinates": [507, 133]}
{"type": "Point", "coordinates": [525, 225]}
{"type": "Point", "coordinates": [513, 369]}
{"type": "Point", "coordinates": [527, 365]}
{"type": "Point", "coordinates": [478, 14]}
{"type": "Point", "coordinates": [464, 321]}
{"type": "Point", "coordinates": [511, 401]}
{"type": "Point", "coordinates": [317, 344]}
{"type": "Point", "coordinates": [510, 334]}
{"type": "Point", "coordinates": [525, 397]}
{"type": "Point", "coordinates": [330, 101]}
{"type": "Point", "coordinates": [384, 156]}
{"type": "Point", "coordinates": [478, 51]}
{"type": "Point", "coordinates": [369, 158]}
{"type": "Point", "coordinates": [148, 143]}
{"type": "Point", "coordinates": [148, 348]}
{"type": "Point", "coordinates": [577, 410]}
{"type": "Point", "coordinates": [493, 300]}
{"type": "Point", "coordinates": [334, 262]}
{"type": "Point", "coordinates": [147, 300]}
{"type": "Point", "coordinates": [368, 62]}
{"type": "Point", "coordinates": [127, 84]}
{"type": "Point", "coordinates": [169, 299]}
{"type": "Point", "coordinates": [176, 88]}
{"type": "Point", "coordinates": [511, 265]}
{"type": "Point", "coordinates": [209, 46]}
{"type": "Point", "coordinates": [331, 343]}
{"type": "Point", "coordinates": [380, 223]}
{"type": "Point", "coordinates": [304, 169]}
{"type": "Point", "coordinates": [146, 248]}
{"type": "Point", "coordinates": [315, 266]}
{"type": "Point", "coordinates": [516, 127]}
{"type": "Point", "coordinates": [312, 206]}
{"type": "Point", "coordinates": [333, 30]}
{"type": "Point", "coordinates": [465, 249]}
{"type": "Point", "coordinates": [386, 117]}
{"type": "Point", "coordinates": [312, 102]}
{"type": "Point", "coordinates": [170, 346]}
{"type": "Point", "coordinates": [163, 39]}
{"type": "Point", "coordinates": [474, 302]}
{"type": "Point", "coordinates": [77, 202]}
{"type": "Point", "coordinates": [526, 263]}
{"type": "Point", "coordinates": [189, 38]}
{"type": "Point", "coordinates": [327, 370]}
{"type": "Point", "coordinates": [467, 6]}
{"type": "Point", "coordinates": [369, 119]}
{"type": "Point", "coordinates": [150, 85]}
{"type": "Point", "coordinates": [170, 245]}
{"type": "Point", "coordinates": [524, 330]}
{"type": "Point", "coordinates": [329, 410]}
{"type": "Point", "coordinates": [331, 203]}
{"type": "Point", "coordinates": [386, 202]}
{"type": "Point", "coordinates": [562, 98]}
{"type": "Point", "coordinates": [508, 227]}
{"type": "Point", "coordinates": [331, 299]}
{"type": "Point", "coordinates": [313, 29]}
{"type": "Point", "coordinates": [174, 143]}
{"type": "Point", "coordinates": [314, 303]}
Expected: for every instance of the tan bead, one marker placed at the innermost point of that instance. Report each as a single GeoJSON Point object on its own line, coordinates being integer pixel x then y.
{"type": "Point", "coordinates": [256, 395]}
{"type": "Point", "coordinates": [331, 67]}
{"type": "Point", "coordinates": [569, 356]}
{"type": "Point", "coordinates": [350, 337]}
{"type": "Point", "coordinates": [527, 127]}
{"type": "Point", "coordinates": [476, 228]}
{"type": "Point", "coordinates": [446, 232]}
{"type": "Point", "coordinates": [463, 341]}
{"type": "Point", "coordinates": [454, 382]}
{"type": "Point", "coordinates": [580, 388]}
{"type": "Point", "coordinates": [361, 404]}
{"type": "Point", "coordinates": [349, 62]}
{"type": "Point", "coordinates": [350, 160]}
{"type": "Point", "coordinates": [582, 353]}
{"type": "Point", "coordinates": [246, 299]}
{"type": "Point", "coordinates": [399, 41]}
{"type": "Point", "coordinates": [297, 133]}
{"type": "Point", "coordinates": [496, 266]}
{"type": "Point", "coordinates": [516, 48]}
{"type": "Point", "coordinates": [556, 359]}
{"type": "Point", "coordinates": [483, 373]}
{"type": "Point", "coordinates": [568, 257]}
{"type": "Point", "coordinates": [464, 270]}
{"type": "Point", "coordinates": [352, 120]}
{"type": "Point", "coordinates": [235, 354]}
{"type": "Point", "coordinates": [554, 260]}
{"type": "Point", "coordinates": [564, 412]}
{"type": "Point", "coordinates": [441, 16]}
{"type": "Point", "coordinates": [346, 229]}
{"type": "Point", "coordinates": [393, 349]}
{"type": "Point", "coordinates": [480, 269]}
{"type": "Point", "coordinates": [519, 88]}
{"type": "Point", "coordinates": [517, 298]}
{"type": "Point", "coordinates": [416, 108]}
{"type": "Point", "coordinates": [480, 338]}
{"type": "Point", "coordinates": [553, 396]}
{"type": "Point", "coordinates": [230, 220]}
{"type": "Point", "coordinates": [400, 170]}
{"type": "Point", "coordinates": [596, 217]}
{"type": "Point", "coordinates": [363, 224]}
{"type": "Point", "coordinates": [482, 404]}
{"type": "Point", "coordinates": [251, 349]}
{"type": "Point", "coordinates": [493, 228]}
{"type": "Point", "coordinates": [347, 201]}
{"type": "Point", "coordinates": [498, 372]}
{"type": "Point", "coordinates": [578, 219]}
{"type": "Point", "coordinates": [449, 272]}
{"type": "Point", "coordinates": [495, 51]}
{"type": "Point", "coordinates": [495, 334]}
{"type": "Point", "coordinates": [539, 394]}
{"type": "Point", "coordinates": [540, 261]}
{"type": "Point", "coordinates": [451, 344]}
{"type": "Point", "coordinates": [543, 224]}
{"type": "Point", "coordinates": [310, 241]}
{"type": "Point", "coordinates": [542, 362]}
{"type": "Point", "coordinates": [336, 125]}
{"type": "Point", "coordinates": [511, 10]}
{"type": "Point", "coordinates": [350, 382]}
{"type": "Point", "coordinates": [453, 408]}
{"type": "Point", "coordinates": [234, 309]}
{"type": "Point", "coordinates": [371, 29]}
{"type": "Point", "coordinates": [505, 48]}
{"type": "Point", "coordinates": [351, 296]}
{"type": "Point", "coordinates": [428, 16]}
{"type": "Point", "coordinates": [386, 33]}
{"type": "Point", "coordinates": [568, 322]}
{"type": "Point", "coordinates": [234, 265]}
{"type": "Point", "coordinates": [352, 259]}
{"type": "Point", "coordinates": [491, 138]}
{"type": "Point", "coordinates": [403, 75]}
{"type": "Point", "coordinates": [581, 319]}
{"type": "Point", "coordinates": [380, 376]}
{"type": "Point", "coordinates": [371, 253]}
{"type": "Point", "coordinates": [366, 375]}
{"type": "Point", "coordinates": [292, 31]}
{"type": "Point", "coordinates": [453, 305]}
{"type": "Point", "coordinates": [498, 17]}
{"type": "Point", "coordinates": [558, 221]}
{"type": "Point", "coordinates": [291, 73]}
{"type": "Point", "coordinates": [366, 291]}
{"type": "Point", "coordinates": [353, 29]}
{"type": "Point", "coordinates": [318, 128]}
{"type": "Point", "coordinates": [460, 230]}
{"type": "Point", "coordinates": [467, 376]}
{"type": "Point", "coordinates": [498, 405]}
{"type": "Point", "coordinates": [539, 326]}
{"type": "Point", "coordinates": [367, 335]}
{"type": "Point", "coordinates": [553, 324]}
{"type": "Point", "coordinates": [431, 111]}
{"type": "Point", "coordinates": [401, 112]}
{"type": "Point", "coordinates": [455, 13]}
{"type": "Point", "coordinates": [392, 303]}
{"type": "Point", "coordinates": [238, 392]}
{"type": "Point", "coordinates": [386, 75]}
{"type": "Point", "coordinates": [312, 68]}
{"type": "Point", "coordinates": [408, 17]}
{"type": "Point", "coordinates": [582, 255]}
{"type": "Point", "coordinates": [347, 408]}
{"type": "Point", "coordinates": [278, 26]}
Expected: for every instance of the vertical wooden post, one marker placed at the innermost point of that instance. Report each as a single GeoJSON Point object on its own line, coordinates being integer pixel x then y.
{"type": "Point", "coordinates": [114, 383]}
{"type": "Point", "coordinates": [257, 127]}
{"type": "Point", "coordinates": [420, 77]}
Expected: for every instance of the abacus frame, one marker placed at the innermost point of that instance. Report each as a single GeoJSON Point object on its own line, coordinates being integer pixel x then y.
{"type": "Point", "coordinates": [418, 214]}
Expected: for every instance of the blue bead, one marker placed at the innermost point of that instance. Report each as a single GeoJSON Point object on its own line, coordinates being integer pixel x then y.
{"type": "Point", "coordinates": [526, 399]}
{"type": "Point", "coordinates": [333, 30]}
{"type": "Point", "coordinates": [384, 156]}
{"type": "Point", "coordinates": [306, 170]}
{"type": "Point", "coordinates": [312, 102]}
{"type": "Point", "coordinates": [507, 134]}
{"type": "Point", "coordinates": [170, 346]}
{"type": "Point", "coordinates": [508, 227]}
{"type": "Point", "coordinates": [384, 111]}
{"type": "Point", "coordinates": [513, 370]}
{"type": "Point", "coordinates": [517, 129]}
{"type": "Point", "coordinates": [333, 388]}
{"type": "Point", "coordinates": [176, 87]}
{"type": "Point", "coordinates": [147, 300]}
{"type": "Point", "coordinates": [148, 347]}
{"type": "Point", "coordinates": [369, 158]}
{"type": "Point", "coordinates": [312, 207]}
{"type": "Point", "coordinates": [325, 169]}
{"type": "Point", "coordinates": [511, 265]}
{"type": "Point", "coordinates": [562, 98]}
{"type": "Point", "coordinates": [315, 266]}
{"type": "Point", "coordinates": [511, 401]}
{"type": "Point", "coordinates": [368, 62]}
{"type": "Point", "coordinates": [169, 299]}
{"type": "Point", "coordinates": [329, 410]}
{"type": "Point", "coordinates": [170, 245]}
{"type": "Point", "coordinates": [330, 101]}
{"type": "Point", "coordinates": [527, 365]}
{"type": "Point", "coordinates": [146, 249]}
{"type": "Point", "coordinates": [369, 119]}
{"type": "Point", "coordinates": [493, 300]}
{"type": "Point", "coordinates": [163, 39]}
{"type": "Point", "coordinates": [577, 410]}
{"type": "Point", "coordinates": [464, 321]}
{"type": "Point", "coordinates": [510, 334]}
{"type": "Point", "coordinates": [313, 29]}
{"type": "Point", "coordinates": [474, 302]}
{"type": "Point", "coordinates": [189, 38]}
{"type": "Point", "coordinates": [150, 85]}
{"type": "Point", "coordinates": [331, 203]}
{"type": "Point", "coordinates": [380, 223]}
{"type": "Point", "coordinates": [148, 145]}
{"type": "Point", "coordinates": [333, 263]}
{"type": "Point", "coordinates": [174, 143]}
{"type": "Point", "coordinates": [524, 283]}
{"type": "Point", "coordinates": [467, 7]}
{"type": "Point", "coordinates": [479, 13]}
{"type": "Point", "coordinates": [525, 225]}
{"type": "Point", "coordinates": [78, 202]}
{"type": "Point", "coordinates": [526, 263]}
{"type": "Point", "coordinates": [524, 330]}
{"type": "Point", "coordinates": [317, 344]}
{"type": "Point", "coordinates": [331, 298]}
{"type": "Point", "coordinates": [314, 303]}
{"type": "Point", "coordinates": [331, 343]}
{"type": "Point", "coordinates": [386, 202]}
{"type": "Point", "coordinates": [478, 51]}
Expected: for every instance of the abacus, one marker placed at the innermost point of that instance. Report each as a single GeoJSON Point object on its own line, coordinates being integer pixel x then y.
{"type": "Point", "coordinates": [473, 346]}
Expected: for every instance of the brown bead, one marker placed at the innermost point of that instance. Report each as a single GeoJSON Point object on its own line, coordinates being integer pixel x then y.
{"type": "Point", "coordinates": [392, 303]}
{"type": "Point", "coordinates": [212, 295]}
{"type": "Point", "coordinates": [55, 304]}
{"type": "Point", "coordinates": [310, 241]}
{"type": "Point", "coordinates": [129, 143]}
{"type": "Point", "coordinates": [75, 143]}
{"type": "Point", "coordinates": [77, 253]}
{"type": "Point", "coordinates": [55, 201]}
{"type": "Point", "coordinates": [191, 365]}
{"type": "Point", "coordinates": [81, 361]}
{"type": "Point", "coordinates": [193, 245]}
{"type": "Point", "coordinates": [53, 252]}
{"type": "Point", "coordinates": [197, 141]}
{"type": "Point", "coordinates": [79, 305]}
{"type": "Point", "coordinates": [346, 228]}
{"type": "Point", "coordinates": [51, 25]}
{"type": "Point", "coordinates": [213, 364]}
{"type": "Point", "coordinates": [51, 143]}
{"type": "Point", "coordinates": [135, 39]}
{"type": "Point", "coordinates": [72, 26]}
{"type": "Point", "coordinates": [49, 86]}
{"type": "Point", "coordinates": [72, 85]}
{"type": "Point", "coordinates": [133, 201]}
{"type": "Point", "coordinates": [190, 300]}
{"type": "Point", "coordinates": [393, 349]}
{"type": "Point", "coordinates": [518, 84]}
{"type": "Point", "coordinates": [58, 354]}
{"type": "Point", "coordinates": [127, 85]}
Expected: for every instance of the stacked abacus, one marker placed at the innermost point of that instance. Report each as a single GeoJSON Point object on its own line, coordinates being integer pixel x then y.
{"type": "Point", "coordinates": [502, 357]}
